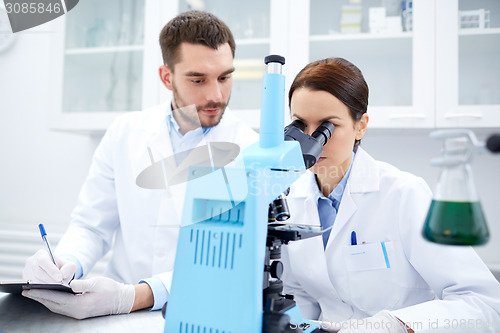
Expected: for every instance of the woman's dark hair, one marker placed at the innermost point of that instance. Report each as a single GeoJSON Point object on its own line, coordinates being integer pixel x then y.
{"type": "Point", "coordinates": [195, 27]}
{"type": "Point", "coordinates": [338, 77]}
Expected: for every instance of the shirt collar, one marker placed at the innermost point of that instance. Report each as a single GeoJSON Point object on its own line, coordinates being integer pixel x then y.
{"type": "Point", "coordinates": [174, 126]}
{"type": "Point", "coordinates": [336, 195]}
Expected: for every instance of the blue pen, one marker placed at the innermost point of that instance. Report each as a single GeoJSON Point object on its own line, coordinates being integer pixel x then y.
{"type": "Point", "coordinates": [354, 241]}
{"type": "Point", "coordinates": [44, 237]}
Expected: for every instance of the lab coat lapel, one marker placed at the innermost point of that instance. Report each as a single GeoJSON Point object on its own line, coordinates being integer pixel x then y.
{"type": "Point", "coordinates": [364, 178]}
{"type": "Point", "coordinates": [365, 174]}
{"type": "Point", "coordinates": [346, 209]}
{"type": "Point", "coordinates": [308, 254]}
{"type": "Point", "coordinates": [160, 148]}
{"type": "Point", "coordinates": [159, 139]}
{"type": "Point", "coordinates": [155, 147]}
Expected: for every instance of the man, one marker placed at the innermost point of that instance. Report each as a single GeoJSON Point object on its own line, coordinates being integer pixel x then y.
{"type": "Point", "coordinates": [113, 211]}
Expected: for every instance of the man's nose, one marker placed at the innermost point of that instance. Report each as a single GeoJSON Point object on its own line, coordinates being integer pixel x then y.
{"type": "Point", "coordinates": [213, 92]}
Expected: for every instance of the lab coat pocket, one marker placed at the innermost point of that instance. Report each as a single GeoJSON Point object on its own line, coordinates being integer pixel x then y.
{"type": "Point", "coordinates": [371, 276]}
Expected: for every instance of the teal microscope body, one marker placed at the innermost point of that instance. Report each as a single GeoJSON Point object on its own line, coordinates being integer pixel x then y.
{"type": "Point", "coordinates": [217, 285]}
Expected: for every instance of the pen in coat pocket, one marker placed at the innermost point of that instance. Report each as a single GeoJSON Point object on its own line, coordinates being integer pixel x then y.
{"type": "Point", "coordinates": [354, 241]}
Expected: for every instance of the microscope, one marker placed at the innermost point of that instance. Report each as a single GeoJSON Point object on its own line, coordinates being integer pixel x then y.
{"type": "Point", "coordinates": [226, 275]}
{"type": "Point", "coordinates": [279, 307]}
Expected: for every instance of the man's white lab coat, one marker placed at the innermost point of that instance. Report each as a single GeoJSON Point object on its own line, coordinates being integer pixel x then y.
{"type": "Point", "coordinates": [143, 223]}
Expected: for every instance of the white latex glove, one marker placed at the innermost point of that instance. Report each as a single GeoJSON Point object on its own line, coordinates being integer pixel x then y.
{"type": "Point", "coordinates": [382, 322]}
{"type": "Point", "coordinates": [40, 268]}
{"type": "Point", "coordinates": [100, 296]}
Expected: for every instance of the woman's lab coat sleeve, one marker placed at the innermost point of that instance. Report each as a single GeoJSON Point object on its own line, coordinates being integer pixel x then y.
{"type": "Point", "coordinates": [468, 296]}
{"type": "Point", "coordinates": [309, 307]}
{"type": "Point", "coordinates": [95, 218]}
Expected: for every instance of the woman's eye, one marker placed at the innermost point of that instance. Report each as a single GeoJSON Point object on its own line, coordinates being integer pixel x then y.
{"type": "Point", "coordinates": [299, 123]}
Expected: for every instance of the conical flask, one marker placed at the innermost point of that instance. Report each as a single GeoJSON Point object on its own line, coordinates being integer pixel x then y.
{"type": "Point", "coordinates": [455, 216]}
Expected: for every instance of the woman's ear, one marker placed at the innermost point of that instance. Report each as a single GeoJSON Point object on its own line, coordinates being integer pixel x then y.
{"type": "Point", "coordinates": [361, 126]}
{"type": "Point", "coordinates": [166, 76]}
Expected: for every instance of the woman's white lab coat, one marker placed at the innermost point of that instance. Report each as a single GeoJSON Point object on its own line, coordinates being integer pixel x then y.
{"type": "Point", "coordinates": [430, 286]}
{"type": "Point", "coordinates": [143, 223]}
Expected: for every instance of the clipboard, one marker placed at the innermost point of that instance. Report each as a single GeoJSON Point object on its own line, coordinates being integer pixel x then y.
{"type": "Point", "coordinates": [17, 287]}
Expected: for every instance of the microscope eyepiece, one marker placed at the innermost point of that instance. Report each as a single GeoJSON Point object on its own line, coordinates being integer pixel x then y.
{"type": "Point", "coordinates": [274, 58]}
{"type": "Point", "coordinates": [274, 63]}
{"type": "Point", "coordinates": [311, 145]}
{"type": "Point", "coordinates": [324, 132]}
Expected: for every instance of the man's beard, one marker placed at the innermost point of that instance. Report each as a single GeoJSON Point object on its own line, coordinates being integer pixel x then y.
{"type": "Point", "coordinates": [190, 115]}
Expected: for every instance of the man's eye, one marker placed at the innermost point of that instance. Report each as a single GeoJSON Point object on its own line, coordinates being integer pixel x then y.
{"type": "Point", "coordinates": [197, 81]}
{"type": "Point", "coordinates": [224, 78]}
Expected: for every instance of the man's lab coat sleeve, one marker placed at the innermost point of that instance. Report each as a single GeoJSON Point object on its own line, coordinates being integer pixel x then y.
{"type": "Point", "coordinates": [95, 218]}
{"type": "Point", "coordinates": [468, 294]}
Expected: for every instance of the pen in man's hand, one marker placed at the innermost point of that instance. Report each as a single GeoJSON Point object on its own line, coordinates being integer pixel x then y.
{"type": "Point", "coordinates": [44, 237]}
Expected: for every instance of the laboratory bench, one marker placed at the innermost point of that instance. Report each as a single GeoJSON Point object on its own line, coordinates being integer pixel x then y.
{"type": "Point", "coordinates": [20, 314]}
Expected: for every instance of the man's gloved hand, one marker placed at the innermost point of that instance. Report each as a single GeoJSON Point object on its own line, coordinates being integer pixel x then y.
{"type": "Point", "coordinates": [40, 268]}
{"type": "Point", "coordinates": [99, 296]}
{"type": "Point", "coordinates": [382, 322]}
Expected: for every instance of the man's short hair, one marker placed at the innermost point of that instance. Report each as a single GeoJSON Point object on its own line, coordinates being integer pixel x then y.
{"type": "Point", "coordinates": [195, 27]}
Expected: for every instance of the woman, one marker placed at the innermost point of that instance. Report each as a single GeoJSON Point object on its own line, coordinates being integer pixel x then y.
{"type": "Point", "coordinates": [392, 276]}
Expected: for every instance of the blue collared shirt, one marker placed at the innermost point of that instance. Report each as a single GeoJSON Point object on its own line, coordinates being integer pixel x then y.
{"type": "Point", "coordinates": [327, 215]}
{"type": "Point", "coordinates": [184, 142]}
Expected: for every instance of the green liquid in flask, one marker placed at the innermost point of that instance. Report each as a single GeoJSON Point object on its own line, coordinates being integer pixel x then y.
{"type": "Point", "coordinates": [456, 223]}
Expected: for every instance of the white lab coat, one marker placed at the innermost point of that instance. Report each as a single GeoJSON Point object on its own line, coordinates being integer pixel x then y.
{"type": "Point", "coordinates": [112, 208]}
{"type": "Point", "coordinates": [383, 204]}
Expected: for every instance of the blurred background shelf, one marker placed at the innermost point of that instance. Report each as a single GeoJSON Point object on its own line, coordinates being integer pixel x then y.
{"type": "Point", "coordinates": [105, 49]}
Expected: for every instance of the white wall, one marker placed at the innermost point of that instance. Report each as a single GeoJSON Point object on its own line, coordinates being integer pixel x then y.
{"type": "Point", "coordinates": [41, 171]}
